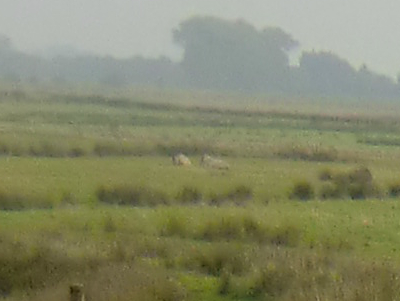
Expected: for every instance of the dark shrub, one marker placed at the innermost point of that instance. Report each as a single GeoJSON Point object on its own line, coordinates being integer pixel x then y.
{"type": "Point", "coordinates": [16, 201]}
{"type": "Point", "coordinates": [131, 195]}
{"type": "Point", "coordinates": [220, 259]}
{"type": "Point", "coordinates": [360, 175]}
{"type": "Point", "coordinates": [325, 175]}
{"type": "Point", "coordinates": [224, 283]}
{"type": "Point", "coordinates": [174, 225]}
{"type": "Point", "coordinates": [189, 195]}
{"type": "Point", "coordinates": [239, 196]}
{"type": "Point", "coordinates": [308, 153]}
{"type": "Point", "coordinates": [109, 225]}
{"type": "Point", "coordinates": [302, 190]}
{"type": "Point", "coordinates": [356, 184]}
{"type": "Point", "coordinates": [329, 191]}
{"type": "Point", "coordinates": [76, 152]}
{"type": "Point", "coordinates": [68, 199]}
{"type": "Point", "coordinates": [272, 281]}
{"type": "Point", "coordinates": [394, 190]}
{"type": "Point", "coordinates": [284, 235]}
{"type": "Point", "coordinates": [228, 228]}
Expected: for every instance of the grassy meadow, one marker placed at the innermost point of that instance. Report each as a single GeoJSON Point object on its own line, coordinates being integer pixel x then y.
{"type": "Point", "coordinates": [308, 209]}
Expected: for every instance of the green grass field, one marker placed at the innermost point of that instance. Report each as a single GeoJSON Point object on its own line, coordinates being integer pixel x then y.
{"type": "Point", "coordinates": [88, 194]}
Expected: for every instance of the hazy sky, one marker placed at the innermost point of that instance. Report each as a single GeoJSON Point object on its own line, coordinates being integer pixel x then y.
{"type": "Point", "coordinates": [362, 31]}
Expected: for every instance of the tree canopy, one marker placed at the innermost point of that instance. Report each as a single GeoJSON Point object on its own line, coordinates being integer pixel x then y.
{"type": "Point", "coordinates": [233, 55]}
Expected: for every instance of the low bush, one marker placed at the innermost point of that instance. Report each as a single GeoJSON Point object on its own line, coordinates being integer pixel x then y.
{"type": "Point", "coordinates": [109, 225]}
{"type": "Point", "coordinates": [325, 174]}
{"type": "Point", "coordinates": [174, 225]}
{"type": "Point", "coordinates": [34, 267]}
{"type": "Point", "coordinates": [248, 229]}
{"type": "Point", "coordinates": [308, 153]}
{"type": "Point", "coordinates": [131, 196]}
{"type": "Point", "coordinates": [226, 228]}
{"type": "Point", "coordinates": [126, 282]}
{"type": "Point", "coordinates": [16, 201]}
{"type": "Point", "coordinates": [355, 184]}
{"type": "Point", "coordinates": [69, 199]}
{"type": "Point", "coordinates": [189, 195]}
{"type": "Point", "coordinates": [239, 195]}
{"type": "Point", "coordinates": [303, 276]}
{"type": "Point", "coordinates": [302, 190]}
{"type": "Point", "coordinates": [219, 259]}
{"type": "Point", "coordinates": [394, 190]}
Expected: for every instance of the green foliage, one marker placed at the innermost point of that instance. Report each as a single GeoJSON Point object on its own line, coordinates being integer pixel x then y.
{"type": "Point", "coordinates": [189, 195]}
{"type": "Point", "coordinates": [309, 153]}
{"type": "Point", "coordinates": [219, 260]}
{"type": "Point", "coordinates": [210, 62]}
{"type": "Point", "coordinates": [325, 174]}
{"type": "Point", "coordinates": [175, 225]}
{"type": "Point", "coordinates": [35, 267]}
{"type": "Point", "coordinates": [131, 195]}
{"type": "Point", "coordinates": [394, 190]}
{"type": "Point", "coordinates": [238, 249]}
{"type": "Point", "coordinates": [133, 282]}
{"type": "Point", "coordinates": [356, 184]}
{"type": "Point", "coordinates": [302, 190]}
{"type": "Point", "coordinates": [17, 201]}
{"type": "Point", "coordinates": [109, 225]}
{"type": "Point", "coordinates": [239, 195]}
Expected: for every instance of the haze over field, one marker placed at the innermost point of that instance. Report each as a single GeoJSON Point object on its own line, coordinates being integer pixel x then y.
{"type": "Point", "coordinates": [360, 31]}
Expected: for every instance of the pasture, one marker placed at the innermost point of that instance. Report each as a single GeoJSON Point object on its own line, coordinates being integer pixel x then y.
{"type": "Point", "coordinates": [89, 194]}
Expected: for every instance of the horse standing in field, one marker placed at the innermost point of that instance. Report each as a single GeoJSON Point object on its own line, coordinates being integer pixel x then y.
{"type": "Point", "coordinates": [181, 160]}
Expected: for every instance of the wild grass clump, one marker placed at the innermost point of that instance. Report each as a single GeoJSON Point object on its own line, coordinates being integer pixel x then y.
{"type": "Point", "coordinates": [246, 228]}
{"type": "Point", "coordinates": [76, 151]}
{"type": "Point", "coordinates": [226, 228]}
{"type": "Point", "coordinates": [189, 195]}
{"type": "Point", "coordinates": [271, 281]}
{"type": "Point", "coordinates": [34, 267]}
{"type": "Point", "coordinates": [356, 184]}
{"type": "Point", "coordinates": [68, 199]}
{"type": "Point", "coordinates": [239, 196]}
{"type": "Point", "coordinates": [325, 174]}
{"type": "Point", "coordinates": [109, 225]}
{"type": "Point", "coordinates": [219, 259]}
{"type": "Point", "coordinates": [16, 202]}
{"type": "Point", "coordinates": [47, 149]}
{"type": "Point", "coordinates": [192, 148]}
{"type": "Point", "coordinates": [376, 141]}
{"type": "Point", "coordinates": [394, 190]}
{"type": "Point", "coordinates": [297, 275]}
{"type": "Point", "coordinates": [126, 282]}
{"type": "Point", "coordinates": [302, 190]}
{"type": "Point", "coordinates": [119, 281]}
{"type": "Point", "coordinates": [308, 153]}
{"type": "Point", "coordinates": [110, 148]}
{"type": "Point", "coordinates": [126, 195]}
{"type": "Point", "coordinates": [174, 226]}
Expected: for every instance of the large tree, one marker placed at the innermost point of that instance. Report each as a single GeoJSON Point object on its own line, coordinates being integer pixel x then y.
{"type": "Point", "coordinates": [234, 55]}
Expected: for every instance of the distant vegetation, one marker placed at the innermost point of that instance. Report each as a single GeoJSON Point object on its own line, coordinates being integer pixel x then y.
{"type": "Point", "coordinates": [284, 199]}
{"type": "Point", "coordinates": [219, 55]}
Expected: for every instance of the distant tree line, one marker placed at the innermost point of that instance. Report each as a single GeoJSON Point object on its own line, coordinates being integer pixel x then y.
{"type": "Point", "coordinates": [218, 55]}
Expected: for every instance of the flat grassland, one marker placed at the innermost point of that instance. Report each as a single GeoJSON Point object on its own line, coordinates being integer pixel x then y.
{"type": "Point", "coordinates": [308, 209]}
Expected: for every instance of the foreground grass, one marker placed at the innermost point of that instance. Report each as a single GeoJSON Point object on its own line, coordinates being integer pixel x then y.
{"type": "Point", "coordinates": [244, 252]}
{"type": "Point", "coordinates": [89, 194]}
